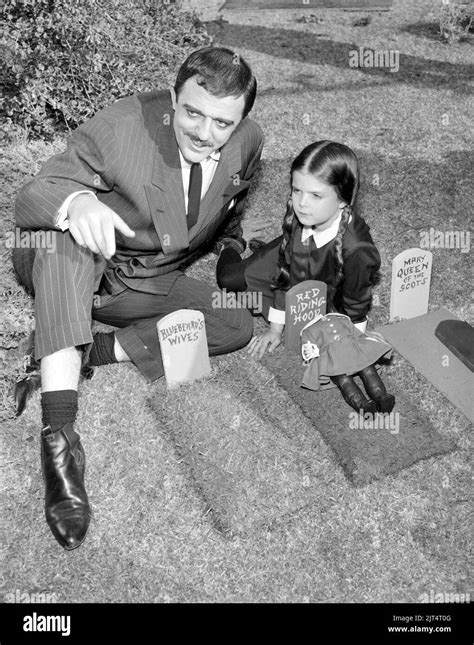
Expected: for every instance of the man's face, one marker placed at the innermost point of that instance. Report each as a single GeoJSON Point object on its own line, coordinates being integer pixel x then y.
{"type": "Point", "coordinates": [202, 122]}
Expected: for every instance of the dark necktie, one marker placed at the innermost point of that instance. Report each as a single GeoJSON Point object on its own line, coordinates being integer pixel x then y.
{"type": "Point", "coordinates": [194, 193]}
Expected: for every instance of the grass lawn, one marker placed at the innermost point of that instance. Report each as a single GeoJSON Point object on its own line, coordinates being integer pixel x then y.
{"type": "Point", "coordinates": [152, 537]}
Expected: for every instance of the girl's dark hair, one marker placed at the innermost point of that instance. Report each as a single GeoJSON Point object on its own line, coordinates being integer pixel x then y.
{"type": "Point", "coordinates": [220, 72]}
{"type": "Point", "coordinates": [335, 164]}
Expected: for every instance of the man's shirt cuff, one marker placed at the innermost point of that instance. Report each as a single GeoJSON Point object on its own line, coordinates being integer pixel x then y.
{"type": "Point", "coordinates": [276, 316]}
{"type": "Point", "coordinates": [61, 220]}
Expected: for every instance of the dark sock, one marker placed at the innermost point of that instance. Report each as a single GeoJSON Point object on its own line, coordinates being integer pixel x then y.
{"type": "Point", "coordinates": [102, 350]}
{"type": "Point", "coordinates": [59, 408]}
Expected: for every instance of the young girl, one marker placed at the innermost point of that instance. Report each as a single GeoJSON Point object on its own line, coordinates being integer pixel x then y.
{"type": "Point", "coordinates": [323, 239]}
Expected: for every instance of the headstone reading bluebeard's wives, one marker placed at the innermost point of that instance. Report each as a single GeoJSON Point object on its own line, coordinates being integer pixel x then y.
{"type": "Point", "coordinates": [304, 302]}
{"type": "Point", "coordinates": [411, 277]}
{"type": "Point", "coordinates": [183, 343]}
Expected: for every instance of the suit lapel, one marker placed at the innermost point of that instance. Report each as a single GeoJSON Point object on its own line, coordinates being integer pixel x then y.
{"type": "Point", "coordinates": [225, 184]}
{"type": "Point", "coordinates": [165, 194]}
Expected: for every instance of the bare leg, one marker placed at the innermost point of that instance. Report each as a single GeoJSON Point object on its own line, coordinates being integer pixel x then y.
{"type": "Point", "coordinates": [60, 370]}
{"type": "Point", "coordinates": [120, 354]}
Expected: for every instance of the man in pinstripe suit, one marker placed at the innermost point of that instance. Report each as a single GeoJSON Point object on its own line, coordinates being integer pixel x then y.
{"type": "Point", "coordinates": [142, 188]}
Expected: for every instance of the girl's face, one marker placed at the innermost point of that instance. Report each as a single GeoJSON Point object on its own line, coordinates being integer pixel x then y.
{"type": "Point", "coordinates": [314, 201]}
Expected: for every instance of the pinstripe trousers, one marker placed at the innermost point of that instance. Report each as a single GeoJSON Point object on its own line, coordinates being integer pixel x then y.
{"type": "Point", "coordinates": [64, 283]}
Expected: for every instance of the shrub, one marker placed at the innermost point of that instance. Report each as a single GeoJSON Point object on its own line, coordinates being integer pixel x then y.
{"type": "Point", "coordinates": [455, 20]}
{"type": "Point", "coordinates": [65, 59]}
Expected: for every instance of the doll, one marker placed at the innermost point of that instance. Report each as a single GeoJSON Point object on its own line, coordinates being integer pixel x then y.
{"type": "Point", "coordinates": [336, 350]}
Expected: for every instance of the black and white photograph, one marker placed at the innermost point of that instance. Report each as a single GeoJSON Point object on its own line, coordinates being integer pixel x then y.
{"type": "Point", "coordinates": [237, 339]}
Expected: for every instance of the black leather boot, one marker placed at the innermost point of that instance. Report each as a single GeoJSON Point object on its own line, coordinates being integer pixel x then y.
{"type": "Point", "coordinates": [353, 394]}
{"type": "Point", "coordinates": [23, 390]}
{"type": "Point", "coordinates": [26, 385]}
{"type": "Point", "coordinates": [66, 505]}
{"type": "Point", "coordinates": [376, 389]}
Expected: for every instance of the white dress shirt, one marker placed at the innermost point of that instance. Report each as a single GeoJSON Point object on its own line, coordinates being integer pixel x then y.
{"type": "Point", "coordinates": [208, 167]}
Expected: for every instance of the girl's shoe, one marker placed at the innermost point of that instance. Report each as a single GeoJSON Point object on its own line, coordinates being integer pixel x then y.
{"type": "Point", "coordinates": [255, 244]}
{"type": "Point", "coordinates": [236, 243]}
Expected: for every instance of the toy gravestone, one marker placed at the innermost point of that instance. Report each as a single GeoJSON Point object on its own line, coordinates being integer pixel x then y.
{"type": "Point", "coordinates": [183, 343]}
{"type": "Point", "coordinates": [304, 302]}
{"type": "Point", "coordinates": [411, 277]}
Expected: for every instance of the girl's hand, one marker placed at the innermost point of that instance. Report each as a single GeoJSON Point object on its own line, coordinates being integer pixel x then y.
{"type": "Point", "coordinates": [269, 339]}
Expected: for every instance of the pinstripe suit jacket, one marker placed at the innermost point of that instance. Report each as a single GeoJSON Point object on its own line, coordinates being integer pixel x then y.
{"type": "Point", "coordinates": [127, 153]}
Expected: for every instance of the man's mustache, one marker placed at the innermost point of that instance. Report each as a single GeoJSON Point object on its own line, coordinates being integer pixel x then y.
{"type": "Point", "coordinates": [196, 139]}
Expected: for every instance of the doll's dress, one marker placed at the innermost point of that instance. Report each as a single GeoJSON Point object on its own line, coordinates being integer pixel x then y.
{"type": "Point", "coordinates": [343, 349]}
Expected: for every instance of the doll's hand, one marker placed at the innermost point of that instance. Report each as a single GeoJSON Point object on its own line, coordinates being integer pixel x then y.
{"type": "Point", "coordinates": [309, 351]}
{"type": "Point", "coordinates": [269, 339]}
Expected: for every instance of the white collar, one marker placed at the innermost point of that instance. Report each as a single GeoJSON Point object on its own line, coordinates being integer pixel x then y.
{"type": "Point", "coordinates": [322, 237]}
{"type": "Point", "coordinates": [215, 156]}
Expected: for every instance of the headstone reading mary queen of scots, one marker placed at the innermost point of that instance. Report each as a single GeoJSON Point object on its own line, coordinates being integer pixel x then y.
{"type": "Point", "coordinates": [411, 277]}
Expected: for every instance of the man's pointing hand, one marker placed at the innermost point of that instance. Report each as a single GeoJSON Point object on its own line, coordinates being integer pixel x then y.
{"type": "Point", "coordinates": [92, 224]}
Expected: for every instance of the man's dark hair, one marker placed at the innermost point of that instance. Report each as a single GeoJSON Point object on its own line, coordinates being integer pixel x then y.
{"type": "Point", "coordinates": [220, 72]}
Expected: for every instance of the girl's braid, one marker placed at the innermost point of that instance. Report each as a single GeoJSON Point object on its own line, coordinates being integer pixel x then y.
{"type": "Point", "coordinates": [346, 215]}
{"type": "Point", "coordinates": [282, 274]}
